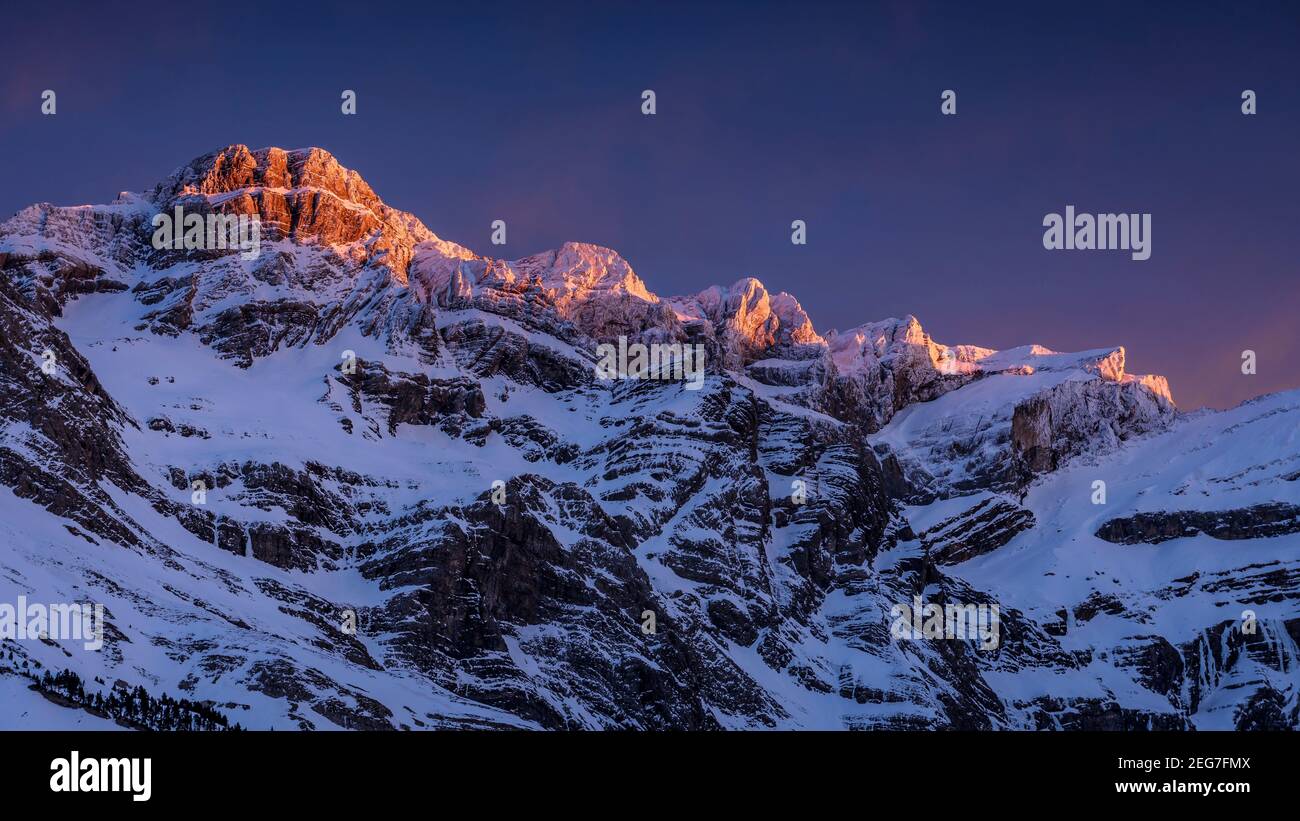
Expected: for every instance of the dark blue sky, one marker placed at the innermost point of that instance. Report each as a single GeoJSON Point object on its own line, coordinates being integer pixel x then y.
{"type": "Point", "coordinates": [766, 113]}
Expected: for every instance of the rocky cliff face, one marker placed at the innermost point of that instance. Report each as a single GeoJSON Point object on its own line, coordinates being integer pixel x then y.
{"type": "Point", "coordinates": [370, 478]}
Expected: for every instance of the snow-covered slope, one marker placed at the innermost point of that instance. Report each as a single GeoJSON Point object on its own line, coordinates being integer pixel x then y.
{"type": "Point", "coordinates": [389, 425]}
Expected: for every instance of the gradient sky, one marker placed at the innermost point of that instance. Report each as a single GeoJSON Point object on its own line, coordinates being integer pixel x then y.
{"type": "Point", "coordinates": [766, 113]}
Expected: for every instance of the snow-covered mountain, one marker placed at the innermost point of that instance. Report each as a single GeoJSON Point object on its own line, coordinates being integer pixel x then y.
{"type": "Point", "coordinates": [388, 424]}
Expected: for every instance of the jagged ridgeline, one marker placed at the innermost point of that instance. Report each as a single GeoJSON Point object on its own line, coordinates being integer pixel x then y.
{"type": "Point", "coordinates": [367, 478]}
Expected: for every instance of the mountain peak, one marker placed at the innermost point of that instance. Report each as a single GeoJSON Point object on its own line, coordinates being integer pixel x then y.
{"type": "Point", "coordinates": [303, 195]}
{"type": "Point", "coordinates": [237, 168]}
{"type": "Point", "coordinates": [576, 269]}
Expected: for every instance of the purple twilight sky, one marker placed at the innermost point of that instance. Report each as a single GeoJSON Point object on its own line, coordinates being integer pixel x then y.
{"type": "Point", "coordinates": [767, 113]}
